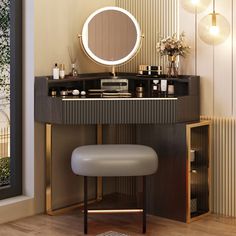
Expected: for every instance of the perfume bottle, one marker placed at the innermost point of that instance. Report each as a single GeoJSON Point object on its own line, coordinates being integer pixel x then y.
{"type": "Point", "coordinates": [74, 72]}
{"type": "Point", "coordinates": [55, 72]}
{"type": "Point", "coordinates": [62, 71]}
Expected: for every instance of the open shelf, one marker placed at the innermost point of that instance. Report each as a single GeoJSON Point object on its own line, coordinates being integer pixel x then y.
{"type": "Point", "coordinates": [198, 140]}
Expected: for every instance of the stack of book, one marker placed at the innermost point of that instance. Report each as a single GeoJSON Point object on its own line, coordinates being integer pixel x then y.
{"type": "Point", "coordinates": [150, 70]}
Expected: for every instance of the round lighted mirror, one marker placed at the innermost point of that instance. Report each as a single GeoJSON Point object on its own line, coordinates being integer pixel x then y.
{"type": "Point", "coordinates": [111, 36]}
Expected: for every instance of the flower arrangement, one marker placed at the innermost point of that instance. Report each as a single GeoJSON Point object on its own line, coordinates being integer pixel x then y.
{"type": "Point", "coordinates": [172, 46]}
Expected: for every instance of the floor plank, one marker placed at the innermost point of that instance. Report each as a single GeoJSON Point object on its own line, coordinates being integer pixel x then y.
{"type": "Point", "coordinates": [71, 224]}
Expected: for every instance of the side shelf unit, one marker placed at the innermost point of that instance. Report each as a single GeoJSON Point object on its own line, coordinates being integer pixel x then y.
{"type": "Point", "coordinates": [198, 169]}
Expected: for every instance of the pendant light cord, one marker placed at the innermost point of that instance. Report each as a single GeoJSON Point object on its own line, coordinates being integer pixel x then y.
{"type": "Point", "coordinates": [214, 5]}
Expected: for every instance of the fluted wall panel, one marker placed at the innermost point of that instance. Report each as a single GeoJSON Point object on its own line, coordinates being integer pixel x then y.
{"type": "Point", "coordinates": [223, 165]}
{"type": "Point", "coordinates": [157, 18]}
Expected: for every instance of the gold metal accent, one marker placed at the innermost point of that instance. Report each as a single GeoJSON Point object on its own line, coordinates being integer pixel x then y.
{"type": "Point", "coordinates": [48, 168]}
{"type": "Point", "coordinates": [188, 174]}
{"type": "Point", "coordinates": [113, 71]}
{"type": "Point", "coordinates": [99, 179]}
{"type": "Point", "coordinates": [121, 211]}
{"type": "Point", "coordinates": [49, 210]}
{"type": "Point", "coordinates": [68, 208]}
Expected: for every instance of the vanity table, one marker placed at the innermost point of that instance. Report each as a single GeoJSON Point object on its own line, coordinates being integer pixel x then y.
{"type": "Point", "coordinates": [170, 124]}
{"type": "Point", "coordinates": [164, 123]}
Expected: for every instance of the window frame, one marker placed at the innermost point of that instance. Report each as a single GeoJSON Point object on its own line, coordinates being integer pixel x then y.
{"type": "Point", "coordinates": [15, 187]}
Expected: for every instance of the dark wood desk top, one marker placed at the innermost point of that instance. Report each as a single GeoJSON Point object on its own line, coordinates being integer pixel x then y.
{"type": "Point", "coordinates": [183, 107]}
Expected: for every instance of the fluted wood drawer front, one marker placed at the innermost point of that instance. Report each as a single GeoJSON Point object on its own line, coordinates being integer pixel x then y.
{"type": "Point", "coordinates": [119, 111]}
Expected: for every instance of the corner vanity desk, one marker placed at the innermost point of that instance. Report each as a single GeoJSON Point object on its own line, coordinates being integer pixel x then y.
{"type": "Point", "coordinates": [168, 123]}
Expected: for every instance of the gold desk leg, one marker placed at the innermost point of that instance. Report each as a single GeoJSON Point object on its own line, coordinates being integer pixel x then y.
{"type": "Point", "coordinates": [99, 179]}
{"type": "Point", "coordinates": [48, 168]}
{"type": "Point", "coordinates": [49, 209]}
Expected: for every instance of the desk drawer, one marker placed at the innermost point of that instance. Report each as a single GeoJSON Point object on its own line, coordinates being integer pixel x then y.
{"type": "Point", "coordinates": [118, 111]}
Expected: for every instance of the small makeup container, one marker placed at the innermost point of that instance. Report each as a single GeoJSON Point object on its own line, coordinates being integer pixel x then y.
{"type": "Point", "coordinates": [75, 92]}
{"type": "Point", "coordinates": [64, 93]}
{"type": "Point", "coordinates": [155, 88]}
{"type": "Point", "coordinates": [83, 93]}
{"type": "Point", "coordinates": [53, 93]}
{"type": "Point", "coordinates": [163, 87]}
{"type": "Point", "coordinates": [171, 88]}
{"type": "Point", "coordinates": [139, 91]}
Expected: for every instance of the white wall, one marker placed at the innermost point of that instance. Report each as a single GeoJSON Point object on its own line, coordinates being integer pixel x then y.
{"type": "Point", "coordinates": [215, 64]}
{"type": "Point", "coordinates": [57, 26]}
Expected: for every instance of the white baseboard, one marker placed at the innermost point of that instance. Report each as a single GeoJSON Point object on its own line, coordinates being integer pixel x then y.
{"type": "Point", "coordinates": [16, 208]}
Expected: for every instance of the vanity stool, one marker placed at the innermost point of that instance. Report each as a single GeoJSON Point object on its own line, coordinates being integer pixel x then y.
{"type": "Point", "coordinates": [113, 161]}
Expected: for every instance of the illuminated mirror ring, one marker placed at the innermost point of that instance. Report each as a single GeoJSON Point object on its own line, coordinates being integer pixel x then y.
{"type": "Point", "coordinates": [127, 56]}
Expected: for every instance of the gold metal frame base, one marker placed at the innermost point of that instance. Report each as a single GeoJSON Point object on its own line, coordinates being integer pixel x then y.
{"type": "Point", "coordinates": [48, 204]}
{"type": "Point", "coordinates": [68, 208]}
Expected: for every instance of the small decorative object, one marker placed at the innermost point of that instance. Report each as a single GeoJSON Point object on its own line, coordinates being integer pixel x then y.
{"type": "Point", "coordinates": [171, 88]}
{"type": "Point", "coordinates": [139, 91]}
{"type": "Point", "coordinates": [53, 93]}
{"type": "Point", "coordinates": [75, 92]}
{"type": "Point", "coordinates": [83, 93]}
{"type": "Point", "coordinates": [150, 70]}
{"type": "Point", "coordinates": [173, 47]}
{"type": "Point", "coordinates": [163, 87]}
{"type": "Point", "coordinates": [74, 71]}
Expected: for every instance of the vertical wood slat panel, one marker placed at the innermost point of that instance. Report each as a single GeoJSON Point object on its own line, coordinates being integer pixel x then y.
{"type": "Point", "coordinates": [155, 23]}
{"type": "Point", "coordinates": [187, 65]}
{"type": "Point", "coordinates": [223, 67]}
{"type": "Point", "coordinates": [234, 57]}
{"type": "Point", "coordinates": [223, 165]}
{"type": "Point", "coordinates": [205, 68]}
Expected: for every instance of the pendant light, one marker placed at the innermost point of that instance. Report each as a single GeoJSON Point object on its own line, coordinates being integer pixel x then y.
{"type": "Point", "coordinates": [214, 28]}
{"type": "Point", "coordinates": [195, 6]}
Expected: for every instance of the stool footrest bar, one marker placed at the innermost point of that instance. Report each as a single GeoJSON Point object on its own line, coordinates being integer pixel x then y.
{"type": "Point", "coordinates": [117, 211]}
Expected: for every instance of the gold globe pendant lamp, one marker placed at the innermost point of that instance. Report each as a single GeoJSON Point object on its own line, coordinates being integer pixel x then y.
{"type": "Point", "coordinates": [214, 28]}
{"type": "Point", "coordinates": [195, 6]}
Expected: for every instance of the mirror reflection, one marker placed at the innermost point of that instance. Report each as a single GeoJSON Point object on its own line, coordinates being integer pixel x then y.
{"type": "Point", "coordinates": [111, 36]}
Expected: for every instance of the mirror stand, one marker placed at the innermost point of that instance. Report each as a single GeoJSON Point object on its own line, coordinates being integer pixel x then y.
{"type": "Point", "coordinates": [113, 71]}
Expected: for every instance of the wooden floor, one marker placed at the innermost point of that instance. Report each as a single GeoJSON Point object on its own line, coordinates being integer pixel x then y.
{"type": "Point", "coordinates": [71, 224]}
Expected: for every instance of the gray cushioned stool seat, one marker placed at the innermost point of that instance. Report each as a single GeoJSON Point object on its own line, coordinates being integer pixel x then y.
{"type": "Point", "coordinates": [114, 160]}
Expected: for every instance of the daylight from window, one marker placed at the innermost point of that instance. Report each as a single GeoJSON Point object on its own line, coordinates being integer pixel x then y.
{"type": "Point", "coordinates": [4, 93]}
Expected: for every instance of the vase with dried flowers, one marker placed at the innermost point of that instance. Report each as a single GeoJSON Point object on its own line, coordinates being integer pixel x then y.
{"type": "Point", "coordinates": [173, 46]}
